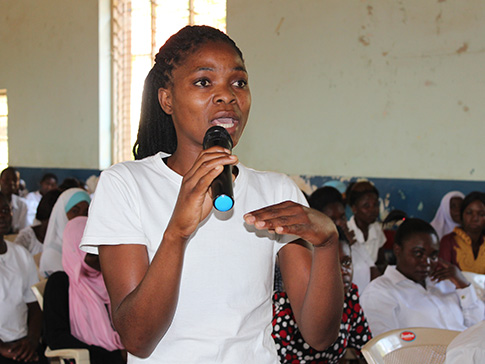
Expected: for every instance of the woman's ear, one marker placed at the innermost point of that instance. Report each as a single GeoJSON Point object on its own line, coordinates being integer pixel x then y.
{"type": "Point", "coordinates": [165, 100]}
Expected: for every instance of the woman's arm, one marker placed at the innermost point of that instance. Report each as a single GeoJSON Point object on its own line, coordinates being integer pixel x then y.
{"type": "Point", "coordinates": [144, 294]}
{"type": "Point", "coordinates": [311, 272]}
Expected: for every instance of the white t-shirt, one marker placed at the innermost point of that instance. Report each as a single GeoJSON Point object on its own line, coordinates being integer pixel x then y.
{"type": "Point", "coordinates": [29, 241]}
{"type": "Point", "coordinates": [393, 301]}
{"type": "Point", "coordinates": [33, 200]}
{"type": "Point", "coordinates": [375, 238]}
{"type": "Point", "coordinates": [19, 214]}
{"type": "Point", "coordinates": [224, 310]}
{"type": "Point", "coordinates": [364, 252]}
{"type": "Point", "coordinates": [17, 274]}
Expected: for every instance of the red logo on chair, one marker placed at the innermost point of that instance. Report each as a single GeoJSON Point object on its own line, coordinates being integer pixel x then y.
{"type": "Point", "coordinates": [408, 336]}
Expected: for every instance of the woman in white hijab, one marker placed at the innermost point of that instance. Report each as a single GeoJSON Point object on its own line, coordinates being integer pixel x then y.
{"type": "Point", "coordinates": [71, 203]}
{"type": "Point", "coordinates": [448, 214]}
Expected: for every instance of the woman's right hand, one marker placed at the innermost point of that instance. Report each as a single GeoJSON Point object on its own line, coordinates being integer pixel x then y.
{"type": "Point", "coordinates": [194, 201]}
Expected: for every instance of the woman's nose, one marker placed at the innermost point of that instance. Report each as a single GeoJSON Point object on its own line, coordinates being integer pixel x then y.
{"type": "Point", "coordinates": [224, 95]}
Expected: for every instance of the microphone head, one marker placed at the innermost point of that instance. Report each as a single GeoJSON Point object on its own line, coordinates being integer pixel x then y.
{"type": "Point", "coordinates": [217, 135]}
{"type": "Point", "coordinates": [223, 203]}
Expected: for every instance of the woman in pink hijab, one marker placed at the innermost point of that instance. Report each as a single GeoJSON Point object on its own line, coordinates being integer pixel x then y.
{"type": "Point", "coordinates": [76, 303]}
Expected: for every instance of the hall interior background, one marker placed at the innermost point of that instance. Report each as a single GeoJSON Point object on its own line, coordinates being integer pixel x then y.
{"type": "Point", "coordinates": [391, 91]}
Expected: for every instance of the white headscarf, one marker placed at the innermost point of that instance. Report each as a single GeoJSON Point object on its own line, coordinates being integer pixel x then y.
{"type": "Point", "coordinates": [442, 222]}
{"type": "Point", "coordinates": [51, 258]}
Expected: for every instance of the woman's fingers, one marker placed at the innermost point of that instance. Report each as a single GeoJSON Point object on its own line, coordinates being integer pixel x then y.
{"type": "Point", "coordinates": [194, 201]}
{"type": "Point", "coordinates": [291, 218]}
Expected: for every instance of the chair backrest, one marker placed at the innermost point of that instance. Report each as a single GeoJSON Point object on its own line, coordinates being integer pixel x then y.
{"type": "Point", "coordinates": [38, 290]}
{"type": "Point", "coordinates": [411, 345]}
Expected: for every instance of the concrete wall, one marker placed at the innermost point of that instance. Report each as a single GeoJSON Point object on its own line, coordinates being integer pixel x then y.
{"type": "Point", "coordinates": [387, 90]}
{"type": "Point", "coordinates": [364, 88]}
{"type": "Point", "coordinates": [56, 74]}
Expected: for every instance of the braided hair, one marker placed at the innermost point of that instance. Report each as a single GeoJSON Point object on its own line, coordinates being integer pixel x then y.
{"type": "Point", "coordinates": [156, 131]}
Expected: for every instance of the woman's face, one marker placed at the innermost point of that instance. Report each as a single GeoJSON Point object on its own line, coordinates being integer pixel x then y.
{"type": "Point", "coordinates": [209, 88]}
{"type": "Point", "coordinates": [336, 212]}
{"type": "Point", "coordinates": [418, 256]}
{"type": "Point", "coordinates": [366, 209]}
{"type": "Point", "coordinates": [455, 209]}
{"type": "Point", "coordinates": [474, 217]}
{"type": "Point", "coordinates": [80, 209]}
{"type": "Point", "coordinates": [346, 265]}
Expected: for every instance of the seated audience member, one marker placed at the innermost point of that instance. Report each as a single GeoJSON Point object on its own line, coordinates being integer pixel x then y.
{"type": "Point", "coordinates": [76, 303]}
{"type": "Point", "coordinates": [9, 184]}
{"type": "Point", "coordinates": [363, 198]}
{"type": "Point", "coordinates": [465, 246]}
{"type": "Point", "coordinates": [20, 314]}
{"type": "Point", "coordinates": [354, 330]}
{"type": "Point", "coordinates": [329, 200]}
{"type": "Point", "coordinates": [70, 204]}
{"type": "Point", "coordinates": [32, 237]}
{"type": "Point", "coordinates": [421, 289]}
{"type": "Point", "coordinates": [48, 182]}
{"type": "Point", "coordinates": [448, 214]}
{"type": "Point", "coordinates": [468, 347]}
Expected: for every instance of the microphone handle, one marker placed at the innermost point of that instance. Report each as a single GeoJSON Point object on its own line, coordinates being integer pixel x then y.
{"type": "Point", "coordinates": [221, 187]}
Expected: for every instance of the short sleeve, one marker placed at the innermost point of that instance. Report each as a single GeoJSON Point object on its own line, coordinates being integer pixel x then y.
{"type": "Point", "coordinates": [114, 216]}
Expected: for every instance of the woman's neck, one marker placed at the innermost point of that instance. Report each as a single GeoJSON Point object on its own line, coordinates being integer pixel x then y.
{"type": "Point", "coordinates": [182, 161]}
{"type": "Point", "coordinates": [364, 227]}
{"type": "Point", "coordinates": [475, 236]}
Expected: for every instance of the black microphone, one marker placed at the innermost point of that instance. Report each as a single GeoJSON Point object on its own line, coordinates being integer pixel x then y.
{"type": "Point", "coordinates": [222, 193]}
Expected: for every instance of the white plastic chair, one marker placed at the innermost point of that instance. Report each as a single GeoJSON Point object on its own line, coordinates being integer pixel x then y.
{"type": "Point", "coordinates": [80, 356]}
{"type": "Point", "coordinates": [407, 346]}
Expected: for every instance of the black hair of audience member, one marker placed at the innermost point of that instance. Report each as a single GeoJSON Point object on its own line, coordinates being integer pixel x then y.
{"type": "Point", "coordinates": [156, 131]}
{"type": "Point", "coordinates": [471, 197]}
{"type": "Point", "coordinates": [47, 176]}
{"type": "Point", "coordinates": [324, 196]}
{"type": "Point", "coordinates": [9, 169]}
{"type": "Point", "coordinates": [70, 182]}
{"type": "Point", "coordinates": [360, 189]}
{"type": "Point", "coordinates": [413, 226]}
{"type": "Point", "coordinates": [46, 205]}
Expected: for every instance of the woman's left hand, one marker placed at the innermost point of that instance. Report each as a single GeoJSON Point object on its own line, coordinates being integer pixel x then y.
{"type": "Point", "coordinates": [292, 218]}
{"type": "Point", "coordinates": [445, 270]}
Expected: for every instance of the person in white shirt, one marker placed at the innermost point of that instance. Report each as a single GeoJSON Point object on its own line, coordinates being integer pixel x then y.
{"type": "Point", "coordinates": [188, 283]}
{"type": "Point", "coordinates": [364, 200]}
{"type": "Point", "coordinates": [48, 182]}
{"type": "Point", "coordinates": [20, 314]}
{"type": "Point", "coordinates": [421, 290]}
{"type": "Point", "coordinates": [9, 184]}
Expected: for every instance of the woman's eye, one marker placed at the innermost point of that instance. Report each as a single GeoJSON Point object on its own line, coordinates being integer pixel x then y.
{"type": "Point", "coordinates": [240, 83]}
{"type": "Point", "coordinates": [202, 83]}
